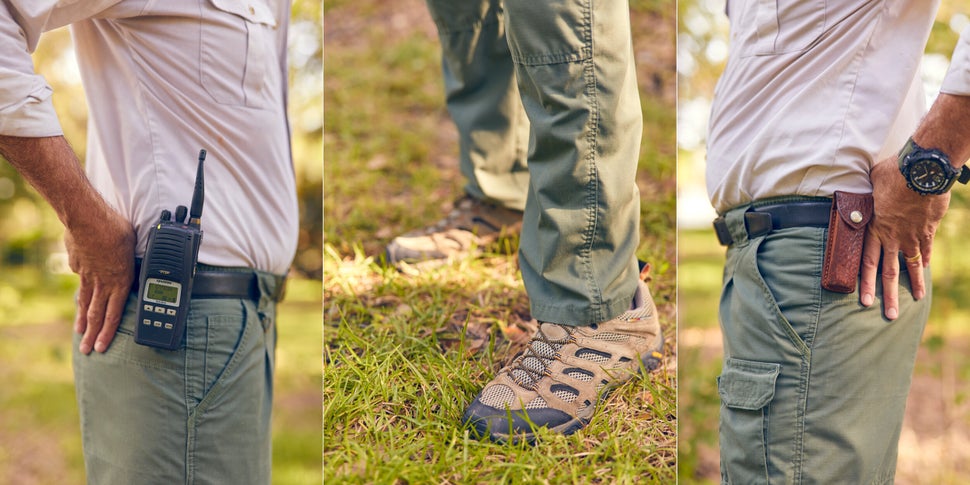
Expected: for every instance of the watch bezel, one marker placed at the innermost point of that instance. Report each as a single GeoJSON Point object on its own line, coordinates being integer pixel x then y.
{"type": "Point", "coordinates": [913, 154]}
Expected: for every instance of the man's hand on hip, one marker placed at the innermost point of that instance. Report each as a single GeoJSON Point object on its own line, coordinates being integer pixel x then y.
{"type": "Point", "coordinates": [902, 221]}
{"type": "Point", "coordinates": [104, 259]}
{"type": "Point", "coordinates": [100, 242]}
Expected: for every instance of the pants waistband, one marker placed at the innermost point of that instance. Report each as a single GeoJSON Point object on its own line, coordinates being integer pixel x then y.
{"type": "Point", "coordinates": [232, 283]}
{"type": "Point", "coordinates": [760, 218]}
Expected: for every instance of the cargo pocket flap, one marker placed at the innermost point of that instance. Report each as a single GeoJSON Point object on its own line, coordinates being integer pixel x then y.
{"type": "Point", "coordinates": [747, 385]}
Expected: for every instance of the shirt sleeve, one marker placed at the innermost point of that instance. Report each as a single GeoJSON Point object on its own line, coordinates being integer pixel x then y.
{"type": "Point", "coordinates": [957, 80]}
{"type": "Point", "coordinates": [25, 97]}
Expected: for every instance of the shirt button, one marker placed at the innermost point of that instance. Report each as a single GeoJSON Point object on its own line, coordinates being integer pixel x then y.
{"type": "Point", "coordinates": [856, 217]}
{"type": "Point", "coordinates": [252, 11]}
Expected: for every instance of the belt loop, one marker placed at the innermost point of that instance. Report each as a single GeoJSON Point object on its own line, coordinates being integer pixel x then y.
{"type": "Point", "coordinates": [269, 288]}
{"type": "Point", "coordinates": [737, 227]}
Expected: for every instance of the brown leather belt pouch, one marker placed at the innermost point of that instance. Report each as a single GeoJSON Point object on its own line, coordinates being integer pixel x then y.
{"type": "Point", "coordinates": [847, 232]}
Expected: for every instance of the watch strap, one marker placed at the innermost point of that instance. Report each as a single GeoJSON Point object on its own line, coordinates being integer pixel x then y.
{"type": "Point", "coordinates": [964, 176]}
{"type": "Point", "coordinates": [908, 148]}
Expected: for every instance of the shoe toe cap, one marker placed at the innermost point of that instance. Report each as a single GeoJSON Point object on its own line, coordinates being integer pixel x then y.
{"type": "Point", "coordinates": [501, 424]}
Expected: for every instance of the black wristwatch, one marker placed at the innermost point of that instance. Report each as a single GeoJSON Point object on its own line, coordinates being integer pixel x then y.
{"type": "Point", "coordinates": [928, 171]}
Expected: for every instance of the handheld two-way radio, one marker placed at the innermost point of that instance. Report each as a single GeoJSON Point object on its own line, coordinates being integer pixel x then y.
{"type": "Point", "coordinates": [167, 272]}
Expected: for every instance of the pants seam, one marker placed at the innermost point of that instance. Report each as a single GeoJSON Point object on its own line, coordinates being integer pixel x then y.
{"type": "Point", "coordinates": [806, 372]}
{"type": "Point", "coordinates": [189, 424]}
{"type": "Point", "coordinates": [592, 194]}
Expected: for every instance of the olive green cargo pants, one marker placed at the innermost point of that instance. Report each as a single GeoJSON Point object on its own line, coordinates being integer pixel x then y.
{"type": "Point", "coordinates": [199, 414]}
{"type": "Point", "coordinates": [814, 384]}
{"type": "Point", "coordinates": [572, 62]}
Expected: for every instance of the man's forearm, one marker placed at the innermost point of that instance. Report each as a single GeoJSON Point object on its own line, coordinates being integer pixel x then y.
{"type": "Point", "coordinates": [100, 242]}
{"type": "Point", "coordinates": [51, 167]}
{"type": "Point", "coordinates": [947, 128]}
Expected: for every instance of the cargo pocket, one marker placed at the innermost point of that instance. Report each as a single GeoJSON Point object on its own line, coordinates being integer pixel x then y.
{"type": "Point", "coordinates": [555, 33]}
{"type": "Point", "coordinates": [236, 43]}
{"type": "Point", "coordinates": [746, 389]}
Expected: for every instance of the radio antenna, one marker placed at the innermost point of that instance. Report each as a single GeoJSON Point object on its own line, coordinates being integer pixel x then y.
{"type": "Point", "coordinates": [198, 197]}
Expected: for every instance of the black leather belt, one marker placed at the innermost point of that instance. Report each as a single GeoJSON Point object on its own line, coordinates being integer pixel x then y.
{"type": "Point", "coordinates": [241, 285]}
{"type": "Point", "coordinates": [764, 219]}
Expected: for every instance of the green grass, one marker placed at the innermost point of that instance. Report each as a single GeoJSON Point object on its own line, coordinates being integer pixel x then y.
{"type": "Point", "coordinates": [404, 352]}
{"type": "Point", "coordinates": [40, 440]}
{"type": "Point", "coordinates": [382, 124]}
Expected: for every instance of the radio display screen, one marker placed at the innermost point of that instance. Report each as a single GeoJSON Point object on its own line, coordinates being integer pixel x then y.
{"type": "Point", "coordinates": [163, 293]}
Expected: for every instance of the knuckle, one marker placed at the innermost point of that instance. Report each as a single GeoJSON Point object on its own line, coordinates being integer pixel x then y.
{"type": "Point", "coordinates": [95, 315]}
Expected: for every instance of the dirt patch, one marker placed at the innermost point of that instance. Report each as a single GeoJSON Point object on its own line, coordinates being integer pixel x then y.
{"type": "Point", "coordinates": [395, 20]}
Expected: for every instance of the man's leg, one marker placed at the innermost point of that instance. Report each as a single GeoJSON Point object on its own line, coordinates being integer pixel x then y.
{"type": "Point", "coordinates": [814, 384]}
{"type": "Point", "coordinates": [493, 132]}
{"type": "Point", "coordinates": [199, 414]}
{"type": "Point", "coordinates": [574, 63]}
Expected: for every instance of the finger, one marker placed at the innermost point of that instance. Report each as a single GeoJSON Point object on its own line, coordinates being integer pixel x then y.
{"type": "Point", "coordinates": [871, 250]}
{"type": "Point", "coordinates": [112, 318]}
{"type": "Point", "coordinates": [914, 266]}
{"type": "Point", "coordinates": [890, 282]}
{"type": "Point", "coordinates": [926, 249]}
{"type": "Point", "coordinates": [83, 302]}
{"type": "Point", "coordinates": [95, 320]}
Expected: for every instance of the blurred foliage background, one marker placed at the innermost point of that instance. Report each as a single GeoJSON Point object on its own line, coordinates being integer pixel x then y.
{"type": "Point", "coordinates": [39, 435]}
{"type": "Point", "coordinates": [936, 434]}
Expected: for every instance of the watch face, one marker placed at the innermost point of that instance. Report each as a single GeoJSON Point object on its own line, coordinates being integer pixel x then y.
{"type": "Point", "coordinates": [928, 174]}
